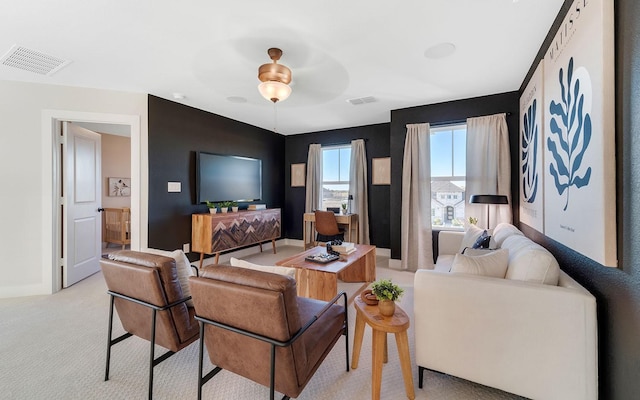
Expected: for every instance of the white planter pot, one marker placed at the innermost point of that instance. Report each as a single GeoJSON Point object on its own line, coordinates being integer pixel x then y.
{"type": "Point", "coordinates": [234, 209]}
{"type": "Point", "coordinates": [224, 209]}
{"type": "Point", "coordinates": [213, 210]}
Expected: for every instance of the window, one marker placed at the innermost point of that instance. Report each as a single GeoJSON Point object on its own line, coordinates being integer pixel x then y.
{"type": "Point", "coordinates": [448, 170]}
{"type": "Point", "coordinates": [336, 161]}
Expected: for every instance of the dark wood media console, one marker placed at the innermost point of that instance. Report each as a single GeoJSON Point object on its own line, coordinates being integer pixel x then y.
{"type": "Point", "coordinates": [215, 233]}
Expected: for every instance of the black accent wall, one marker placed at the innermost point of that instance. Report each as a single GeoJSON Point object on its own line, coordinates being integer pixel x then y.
{"type": "Point", "coordinates": [617, 290]}
{"type": "Point", "coordinates": [377, 145]}
{"type": "Point", "coordinates": [439, 114]}
{"type": "Point", "coordinates": [176, 133]}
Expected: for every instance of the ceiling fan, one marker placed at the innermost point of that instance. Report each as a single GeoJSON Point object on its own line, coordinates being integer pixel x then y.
{"type": "Point", "coordinates": [274, 78]}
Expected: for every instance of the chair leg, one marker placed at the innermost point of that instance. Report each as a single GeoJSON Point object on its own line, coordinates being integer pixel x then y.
{"type": "Point", "coordinates": [151, 352]}
{"type": "Point", "coordinates": [201, 351]}
{"type": "Point", "coordinates": [420, 376]}
{"type": "Point", "coordinates": [272, 382]}
{"type": "Point", "coordinates": [346, 329]}
{"type": "Point", "coordinates": [109, 333]}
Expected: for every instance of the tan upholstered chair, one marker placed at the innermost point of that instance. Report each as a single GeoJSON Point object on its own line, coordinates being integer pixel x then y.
{"type": "Point", "coordinates": [327, 227]}
{"type": "Point", "coordinates": [148, 297]}
{"type": "Point", "coordinates": [254, 325]}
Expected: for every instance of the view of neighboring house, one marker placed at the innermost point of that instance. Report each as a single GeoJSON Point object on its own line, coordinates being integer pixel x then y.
{"type": "Point", "coordinates": [447, 204]}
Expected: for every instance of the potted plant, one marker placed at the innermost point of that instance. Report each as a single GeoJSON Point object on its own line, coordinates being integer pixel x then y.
{"type": "Point", "coordinates": [387, 293]}
{"type": "Point", "coordinates": [213, 207]}
{"type": "Point", "coordinates": [344, 208]}
{"type": "Point", "coordinates": [234, 206]}
{"type": "Point", "coordinates": [224, 206]}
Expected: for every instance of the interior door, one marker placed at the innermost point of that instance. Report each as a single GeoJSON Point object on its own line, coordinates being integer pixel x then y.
{"type": "Point", "coordinates": [82, 224]}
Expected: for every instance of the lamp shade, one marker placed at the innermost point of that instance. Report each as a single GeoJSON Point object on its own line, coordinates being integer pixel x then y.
{"type": "Point", "coordinates": [274, 90]}
{"type": "Point", "coordinates": [488, 199]}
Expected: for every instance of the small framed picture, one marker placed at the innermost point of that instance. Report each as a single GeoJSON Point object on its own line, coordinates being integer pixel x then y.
{"type": "Point", "coordinates": [297, 175]}
{"type": "Point", "coordinates": [381, 171]}
{"type": "Point", "coordinates": [119, 187]}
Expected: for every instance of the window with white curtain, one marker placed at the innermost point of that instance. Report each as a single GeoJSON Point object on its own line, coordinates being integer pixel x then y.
{"type": "Point", "coordinates": [336, 161]}
{"type": "Point", "coordinates": [448, 175]}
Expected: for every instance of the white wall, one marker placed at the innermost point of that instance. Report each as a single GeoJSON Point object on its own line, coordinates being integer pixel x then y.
{"type": "Point", "coordinates": [25, 172]}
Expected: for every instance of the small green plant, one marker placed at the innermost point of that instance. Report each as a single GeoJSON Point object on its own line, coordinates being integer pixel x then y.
{"type": "Point", "coordinates": [233, 203]}
{"type": "Point", "coordinates": [384, 289]}
{"type": "Point", "coordinates": [211, 204]}
{"type": "Point", "coordinates": [344, 207]}
{"type": "Point", "coordinates": [225, 204]}
{"type": "Point", "coordinates": [473, 220]}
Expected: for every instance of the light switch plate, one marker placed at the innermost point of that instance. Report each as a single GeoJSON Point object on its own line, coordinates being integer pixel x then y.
{"type": "Point", "coordinates": [174, 187]}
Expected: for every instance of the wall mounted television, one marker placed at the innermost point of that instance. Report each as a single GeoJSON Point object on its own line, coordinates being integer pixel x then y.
{"type": "Point", "coordinates": [222, 177]}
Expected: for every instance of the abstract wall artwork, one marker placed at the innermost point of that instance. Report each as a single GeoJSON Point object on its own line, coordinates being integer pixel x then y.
{"type": "Point", "coordinates": [531, 153]}
{"type": "Point", "coordinates": [579, 155]}
{"type": "Point", "coordinates": [297, 175]}
{"type": "Point", "coordinates": [120, 187]}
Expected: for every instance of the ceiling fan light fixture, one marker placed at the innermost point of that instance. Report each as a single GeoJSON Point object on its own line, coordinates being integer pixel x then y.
{"type": "Point", "coordinates": [274, 78]}
{"type": "Point", "coordinates": [274, 91]}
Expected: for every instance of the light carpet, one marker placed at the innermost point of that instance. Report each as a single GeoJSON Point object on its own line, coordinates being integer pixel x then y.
{"type": "Point", "coordinates": [54, 347]}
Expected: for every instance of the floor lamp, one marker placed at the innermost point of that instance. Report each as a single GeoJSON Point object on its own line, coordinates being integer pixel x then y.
{"type": "Point", "coordinates": [488, 199]}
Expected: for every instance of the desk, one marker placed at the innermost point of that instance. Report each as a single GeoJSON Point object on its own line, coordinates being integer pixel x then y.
{"type": "Point", "coordinates": [350, 221]}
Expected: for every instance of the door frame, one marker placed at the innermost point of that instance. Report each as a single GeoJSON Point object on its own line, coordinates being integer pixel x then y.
{"type": "Point", "coordinates": [51, 223]}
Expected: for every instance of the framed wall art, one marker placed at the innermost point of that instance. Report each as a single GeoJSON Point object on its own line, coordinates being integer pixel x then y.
{"type": "Point", "coordinates": [297, 175]}
{"type": "Point", "coordinates": [119, 187]}
{"type": "Point", "coordinates": [579, 133]}
{"type": "Point", "coordinates": [381, 171]}
{"type": "Point", "coordinates": [531, 153]}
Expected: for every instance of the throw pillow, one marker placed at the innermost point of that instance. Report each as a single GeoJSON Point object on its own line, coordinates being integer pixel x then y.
{"type": "Point", "coordinates": [482, 242]}
{"type": "Point", "coordinates": [470, 236]}
{"type": "Point", "coordinates": [493, 264]}
{"type": "Point", "coordinates": [183, 267]}
{"type": "Point", "coordinates": [265, 268]}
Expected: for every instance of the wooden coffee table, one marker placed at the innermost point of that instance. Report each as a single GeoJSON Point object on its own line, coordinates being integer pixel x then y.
{"type": "Point", "coordinates": [320, 281]}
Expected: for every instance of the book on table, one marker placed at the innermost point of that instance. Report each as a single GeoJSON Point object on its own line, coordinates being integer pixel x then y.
{"type": "Point", "coordinates": [344, 253]}
{"type": "Point", "coordinates": [345, 247]}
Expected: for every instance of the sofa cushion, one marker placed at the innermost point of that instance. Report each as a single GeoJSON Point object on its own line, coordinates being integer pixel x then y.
{"type": "Point", "coordinates": [471, 234]}
{"type": "Point", "coordinates": [183, 267]}
{"type": "Point", "coordinates": [501, 232]}
{"type": "Point", "coordinates": [476, 252]}
{"type": "Point", "coordinates": [265, 268]}
{"type": "Point", "coordinates": [528, 261]}
{"type": "Point", "coordinates": [493, 264]}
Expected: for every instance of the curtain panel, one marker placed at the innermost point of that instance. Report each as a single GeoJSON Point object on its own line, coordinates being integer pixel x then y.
{"type": "Point", "coordinates": [488, 167]}
{"type": "Point", "coordinates": [358, 188]}
{"type": "Point", "coordinates": [416, 240]}
{"type": "Point", "coordinates": [313, 197]}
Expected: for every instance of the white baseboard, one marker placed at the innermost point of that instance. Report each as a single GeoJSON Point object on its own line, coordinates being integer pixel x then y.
{"type": "Point", "coordinates": [24, 290]}
{"type": "Point", "coordinates": [395, 264]}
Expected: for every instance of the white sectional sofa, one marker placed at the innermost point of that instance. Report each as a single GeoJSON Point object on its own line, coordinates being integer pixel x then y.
{"type": "Point", "coordinates": [514, 333]}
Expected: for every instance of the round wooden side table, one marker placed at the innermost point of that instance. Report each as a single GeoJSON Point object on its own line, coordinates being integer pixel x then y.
{"type": "Point", "coordinates": [398, 324]}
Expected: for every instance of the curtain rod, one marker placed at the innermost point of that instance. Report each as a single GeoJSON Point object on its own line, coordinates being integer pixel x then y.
{"type": "Point", "coordinates": [340, 143]}
{"type": "Point", "coordinates": [461, 121]}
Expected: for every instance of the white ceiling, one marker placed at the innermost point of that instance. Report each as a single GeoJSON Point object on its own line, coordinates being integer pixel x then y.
{"type": "Point", "coordinates": [210, 51]}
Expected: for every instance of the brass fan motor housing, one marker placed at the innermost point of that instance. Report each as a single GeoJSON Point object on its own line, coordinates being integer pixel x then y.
{"type": "Point", "coordinates": [274, 71]}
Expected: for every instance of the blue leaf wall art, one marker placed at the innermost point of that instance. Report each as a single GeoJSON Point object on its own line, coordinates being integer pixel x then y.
{"type": "Point", "coordinates": [570, 129]}
{"type": "Point", "coordinates": [529, 154]}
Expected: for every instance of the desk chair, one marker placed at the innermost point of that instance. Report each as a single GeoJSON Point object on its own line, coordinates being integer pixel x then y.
{"type": "Point", "coordinates": [327, 227]}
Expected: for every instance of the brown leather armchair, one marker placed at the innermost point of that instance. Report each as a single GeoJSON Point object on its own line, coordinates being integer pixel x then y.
{"type": "Point", "coordinates": [148, 297]}
{"type": "Point", "coordinates": [327, 226]}
{"type": "Point", "coordinates": [258, 328]}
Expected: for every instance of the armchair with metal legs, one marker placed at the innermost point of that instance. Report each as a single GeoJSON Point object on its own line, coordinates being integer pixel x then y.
{"type": "Point", "coordinates": [254, 325]}
{"type": "Point", "coordinates": [147, 295]}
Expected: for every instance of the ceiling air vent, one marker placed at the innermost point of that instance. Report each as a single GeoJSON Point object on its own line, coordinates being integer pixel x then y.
{"type": "Point", "coordinates": [362, 100]}
{"type": "Point", "coordinates": [32, 61]}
